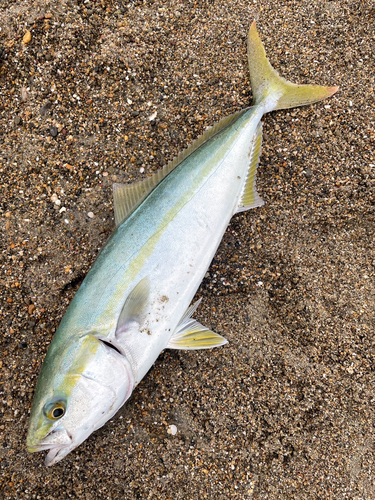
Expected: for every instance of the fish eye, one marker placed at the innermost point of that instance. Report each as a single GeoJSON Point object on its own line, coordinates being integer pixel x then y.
{"type": "Point", "coordinates": [56, 410]}
{"type": "Point", "coordinates": [58, 413]}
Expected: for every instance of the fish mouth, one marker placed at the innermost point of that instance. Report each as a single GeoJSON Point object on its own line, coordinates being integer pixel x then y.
{"type": "Point", "coordinates": [59, 442]}
{"type": "Point", "coordinates": [55, 454]}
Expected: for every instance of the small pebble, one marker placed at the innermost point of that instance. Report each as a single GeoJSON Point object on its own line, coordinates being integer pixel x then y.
{"type": "Point", "coordinates": [53, 131]}
{"type": "Point", "coordinates": [172, 429]}
{"type": "Point", "coordinates": [24, 94]}
{"type": "Point", "coordinates": [45, 108]}
{"type": "Point", "coordinates": [26, 38]}
{"type": "Point", "coordinates": [91, 215]}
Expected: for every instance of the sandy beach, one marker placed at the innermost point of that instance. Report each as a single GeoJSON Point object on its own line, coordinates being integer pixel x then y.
{"type": "Point", "coordinates": [98, 92]}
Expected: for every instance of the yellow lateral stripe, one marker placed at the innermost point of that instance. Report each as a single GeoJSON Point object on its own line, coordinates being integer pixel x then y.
{"type": "Point", "coordinates": [86, 352]}
{"type": "Point", "coordinates": [127, 197]}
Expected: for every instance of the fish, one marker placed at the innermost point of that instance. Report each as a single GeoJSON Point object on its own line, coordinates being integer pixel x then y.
{"type": "Point", "coordinates": [135, 300]}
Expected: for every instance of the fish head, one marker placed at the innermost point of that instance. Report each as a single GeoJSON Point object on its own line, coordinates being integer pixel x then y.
{"type": "Point", "coordinates": [79, 388]}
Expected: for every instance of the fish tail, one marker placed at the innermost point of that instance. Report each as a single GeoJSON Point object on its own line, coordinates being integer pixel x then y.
{"type": "Point", "coordinates": [268, 85]}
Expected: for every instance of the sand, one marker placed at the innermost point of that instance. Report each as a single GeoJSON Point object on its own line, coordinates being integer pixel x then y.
{"type": "Point", "coordinates": [109, 92]}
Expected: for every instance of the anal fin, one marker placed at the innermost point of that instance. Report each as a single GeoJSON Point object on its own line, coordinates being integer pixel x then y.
{"type": "Point", "coordinates": [250, 198]}
{"type": "Point", "coordinates": [191, 335]}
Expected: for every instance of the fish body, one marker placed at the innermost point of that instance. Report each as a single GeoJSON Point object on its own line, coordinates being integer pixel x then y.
{"type": "Point", "coordinates": [135, 300]}
{"type": "Point", "coordinates": [169, 240]}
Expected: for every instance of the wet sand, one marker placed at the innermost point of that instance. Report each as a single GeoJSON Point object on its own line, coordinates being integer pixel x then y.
{"type": "Point", "coordinates": [107, 92]}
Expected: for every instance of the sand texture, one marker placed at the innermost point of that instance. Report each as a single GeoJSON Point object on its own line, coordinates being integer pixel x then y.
{"type": "Point", "coordinates": [98, 92]}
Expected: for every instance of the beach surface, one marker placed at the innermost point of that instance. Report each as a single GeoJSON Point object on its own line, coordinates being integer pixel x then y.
{"type": "Point", "coordinates": [98, 92]}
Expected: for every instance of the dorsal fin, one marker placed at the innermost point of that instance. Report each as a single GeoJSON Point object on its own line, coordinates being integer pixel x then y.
{"type": "Point", "coordinates": [250, 198]}
{"type": "Point", "coordinates": [127, 197]}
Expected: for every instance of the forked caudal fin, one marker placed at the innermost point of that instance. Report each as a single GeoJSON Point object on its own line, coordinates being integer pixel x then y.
{"type": "Point", "coordinates": [267, 83]}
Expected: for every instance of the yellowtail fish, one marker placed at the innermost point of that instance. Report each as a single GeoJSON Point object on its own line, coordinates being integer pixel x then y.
{"type": "Point", "coordinates": [135, 300]}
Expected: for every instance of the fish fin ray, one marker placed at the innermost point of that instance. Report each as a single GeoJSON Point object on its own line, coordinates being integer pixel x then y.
{"type": "Point", "coordinates": [194, 337]}
{"type": "Point", "coordinates": [127, 197]}
{"type": "Point", "coordinates": [189, 312]}
{"type": "Point", "coordinates": [250, 198]}
{"type": "Point", "coordinates": [135, 306]}
{"type": "Point", "coordinates": [191, 335]}
{"type": "Point", "coordinates": [266, 82]}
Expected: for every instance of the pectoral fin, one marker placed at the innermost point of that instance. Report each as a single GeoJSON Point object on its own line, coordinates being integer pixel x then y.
{"type": "Point", "coordinates": [191, 335]}
{"type": "Point", "coordinates": [135, 306]}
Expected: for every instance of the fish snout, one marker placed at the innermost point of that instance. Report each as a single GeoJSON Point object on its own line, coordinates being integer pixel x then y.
{"type": "Point", "coordinates": [56, 438]}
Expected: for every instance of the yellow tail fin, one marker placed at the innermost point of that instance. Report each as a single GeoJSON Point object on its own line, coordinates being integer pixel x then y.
{"type": "Point", "coordinates": [266, 82]}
